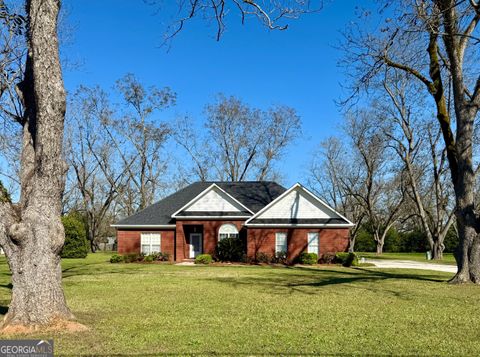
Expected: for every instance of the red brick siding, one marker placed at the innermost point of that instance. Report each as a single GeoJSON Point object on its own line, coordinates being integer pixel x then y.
{"type": "Point", "coordinates": [262, 240]}
{"type": "Point", "coordinates": [209, 230]}
{"type": "Point", "coordinates": [129, 241]}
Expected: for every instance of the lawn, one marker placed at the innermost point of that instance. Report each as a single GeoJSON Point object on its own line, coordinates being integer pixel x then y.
{"type": "Point", "coordinates": [140, 309]}
{"type": "Point", "coordinates": [448, 258]}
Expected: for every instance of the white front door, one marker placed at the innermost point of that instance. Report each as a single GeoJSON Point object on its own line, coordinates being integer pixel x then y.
{"type": "Point", "coordinates": [195, 244]}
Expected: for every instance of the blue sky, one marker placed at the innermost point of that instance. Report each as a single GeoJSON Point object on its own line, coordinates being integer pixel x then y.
{"type": "Point", "coordinates": [296, 67]}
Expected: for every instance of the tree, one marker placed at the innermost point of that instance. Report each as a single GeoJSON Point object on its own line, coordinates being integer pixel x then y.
{"type": "Point", "coordinates": [96, 171]}
{"type": "Point", "coordinates": [31, 232]}
{"type": "Point", "coordinates": [378, 189]}
{"type": "Point", "coordinates": [416, 144]}
{"type": "Point", "coordinates": [242, 143]}
{"type": "Point", "coordinates": [75, 237]}
{"type": "Point", "coordinates": [139, 136]}
{"type": "Point", "coordinates": [428, 40]}
{"type": "Point", "coordinates": [330, 174]}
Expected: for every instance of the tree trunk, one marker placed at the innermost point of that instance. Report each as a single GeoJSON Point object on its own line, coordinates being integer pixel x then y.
{"type": "Point", "coordinates": [437, 249]}
{"type": "Point", "coordinates": [37, 294]}
{"type": "Point", "coordinates": [379, 247]}
{"type": "Point", "coordinates": [32, 233]}
{"type": "Point", "coordinates": [351, 244]}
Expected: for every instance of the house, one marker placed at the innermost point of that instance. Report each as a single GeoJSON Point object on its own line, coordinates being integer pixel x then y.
{"type": "Point", "coordinates": [270, 218]}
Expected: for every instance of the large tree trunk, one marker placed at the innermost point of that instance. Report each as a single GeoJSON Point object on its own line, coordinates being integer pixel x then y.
{"type": "Point", "coordinates": [31, 232]}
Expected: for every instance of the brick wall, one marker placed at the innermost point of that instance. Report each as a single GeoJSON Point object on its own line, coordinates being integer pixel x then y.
{"type": "Point", "coordinates": [262, 240]}
{"type": "Point", "coordinates": [129, 241]}
{"type": "Point", "coordinates": [209, 230]}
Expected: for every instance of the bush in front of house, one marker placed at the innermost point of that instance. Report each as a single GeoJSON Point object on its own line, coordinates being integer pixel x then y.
{"type": "Point", "coordinates": [160, 257]}
{"type": "Point", "coordinates": [308, 258]}
{"type": "Point", "coordinates": [75, 245]}
{"type": "Point", "coordinates": [230, 250]}
{"type": "Point", "coordinates": [263, 258]}
{"type": "Point", "coordinates": [115, 258]}
{"type": "Point", "coordinates": [327, 258]}
{"type": "Point", "coordinates": [347, 259]}
{"type": "Point", "coordinates": [133, 257]}
{"type": "Point", "coordinates": [203, 259]}
{"type": "Point", "coordinates": [279, 258]}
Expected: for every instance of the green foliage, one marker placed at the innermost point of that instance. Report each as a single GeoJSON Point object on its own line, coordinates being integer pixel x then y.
{"type": "Point", "coordinates": [4, 194]}
{"type": "Point", "coordinates": [203, 259]}
{"type": "Point", "coordinates": [451, 240]}
{"type": "Point", "coordinates": [279, 258]}
{"type": "Point", "coordinates": [364, 241]}
{"type": "Point", "coordinates": [160, 257]}
{"type": "Point", "coordinates": [75, 245]}
{"type": "Point", "coordinates": [327, 258]}
{"type": "Point", "coordinates": [133, 257]}
{"type": "Point", "coordinates": [308, 258]}
{"type": "Point", "coordinates": [347, 259]}
{"type": "Point", "coordinates": [230, 250]}
{"type": "Point", "coordinates": [148, 259]}
{"type": "Point", "coordinates": [115, 258]}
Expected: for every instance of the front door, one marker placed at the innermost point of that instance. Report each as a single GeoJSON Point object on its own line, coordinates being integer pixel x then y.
{"type": "Point", "coordinates": [195, 244]}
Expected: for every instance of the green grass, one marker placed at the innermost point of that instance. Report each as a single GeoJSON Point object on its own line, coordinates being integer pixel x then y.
{"type": "Point", "coordinates": [140, 309]}
{"type": "Point", "coordinates": [420, 257]}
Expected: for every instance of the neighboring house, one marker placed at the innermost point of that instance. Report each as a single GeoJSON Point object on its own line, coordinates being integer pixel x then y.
{"type": "Point", "coordinates": [269, 217]}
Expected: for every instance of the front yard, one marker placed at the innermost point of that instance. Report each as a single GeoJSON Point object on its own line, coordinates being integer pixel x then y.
{"type": "Point", "coordinates": [141, 309]}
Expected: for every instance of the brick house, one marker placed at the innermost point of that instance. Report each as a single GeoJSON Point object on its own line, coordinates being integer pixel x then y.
{"type": "Point", "coordinates": [270, 218]}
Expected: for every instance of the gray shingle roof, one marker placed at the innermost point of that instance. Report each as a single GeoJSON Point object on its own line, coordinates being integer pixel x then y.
{"type": "Point", "coordinates": [252, 194]}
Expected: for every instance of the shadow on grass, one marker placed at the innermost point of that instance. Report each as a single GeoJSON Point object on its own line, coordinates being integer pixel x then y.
{"type": "Point", "coordinates": [296, 279]}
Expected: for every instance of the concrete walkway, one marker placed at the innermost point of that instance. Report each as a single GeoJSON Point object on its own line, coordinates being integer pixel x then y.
{"type": "Point", "coordinates": [410, 264]}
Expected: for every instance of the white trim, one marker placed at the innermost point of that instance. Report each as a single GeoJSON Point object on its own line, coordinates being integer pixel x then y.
{"type": "Point", "coordinates": [143, 225]}
{"type": "Point", "coordinates": [279, 198]}
{"type": "Point", "coordinates": [226, 218]}
{"type": "Point", "coordinates": [203, 193]}
{"type": "Point", "coordinates": [281, 225]}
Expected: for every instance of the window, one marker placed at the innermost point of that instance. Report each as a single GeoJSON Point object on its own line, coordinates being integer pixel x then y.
{"type": "Point", "coordinates": [150, 243]}
{"type": "Point", "coordinates": [313, 242]}
{"type": "Point", "coordinates": [227, 231]}
{"type": "Point", "coordinates": [280, 242]}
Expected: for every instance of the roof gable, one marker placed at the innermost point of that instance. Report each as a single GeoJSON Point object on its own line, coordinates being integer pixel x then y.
{"type": "Point", "coordinates": [298, 206]}
{"type": "Point", "coordinates": [213, 199]}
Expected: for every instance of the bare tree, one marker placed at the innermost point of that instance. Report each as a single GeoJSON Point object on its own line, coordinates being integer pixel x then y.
{"type": "Point", "coordinates": [145, 136]}
{"type": "Point", "coordinates": [273, 14]}
{"type": "Point", "coordinates": [416, 144]}
{"type": "Point", "coordinates": [428, 40]}
{"type": "Point", "coordinates": [99, 175]}
{"type": "Point", "coordinates": [330, 174]}
{"type": "Point", "coordinates": [376, 187]}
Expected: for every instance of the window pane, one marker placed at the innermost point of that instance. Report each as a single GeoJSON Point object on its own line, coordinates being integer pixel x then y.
{"type": "Point", "coordinates": [146, 249]}
{"type": "Point", "coordinates": [280, 242]}
{"type": "Point", "coordinates": [155, 238]}
{"type": "Point", "coordinates": [222, 236]}
{"type": "Point", "coordinates": [155, 248]}
{"type": "Point", "coordinates": [145, 238]}
{"type": "Point", "coordinates": [312, 242]}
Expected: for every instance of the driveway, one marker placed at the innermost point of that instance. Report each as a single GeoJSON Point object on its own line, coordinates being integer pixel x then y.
{"type": "Point", "coordinates": [410, 264]}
